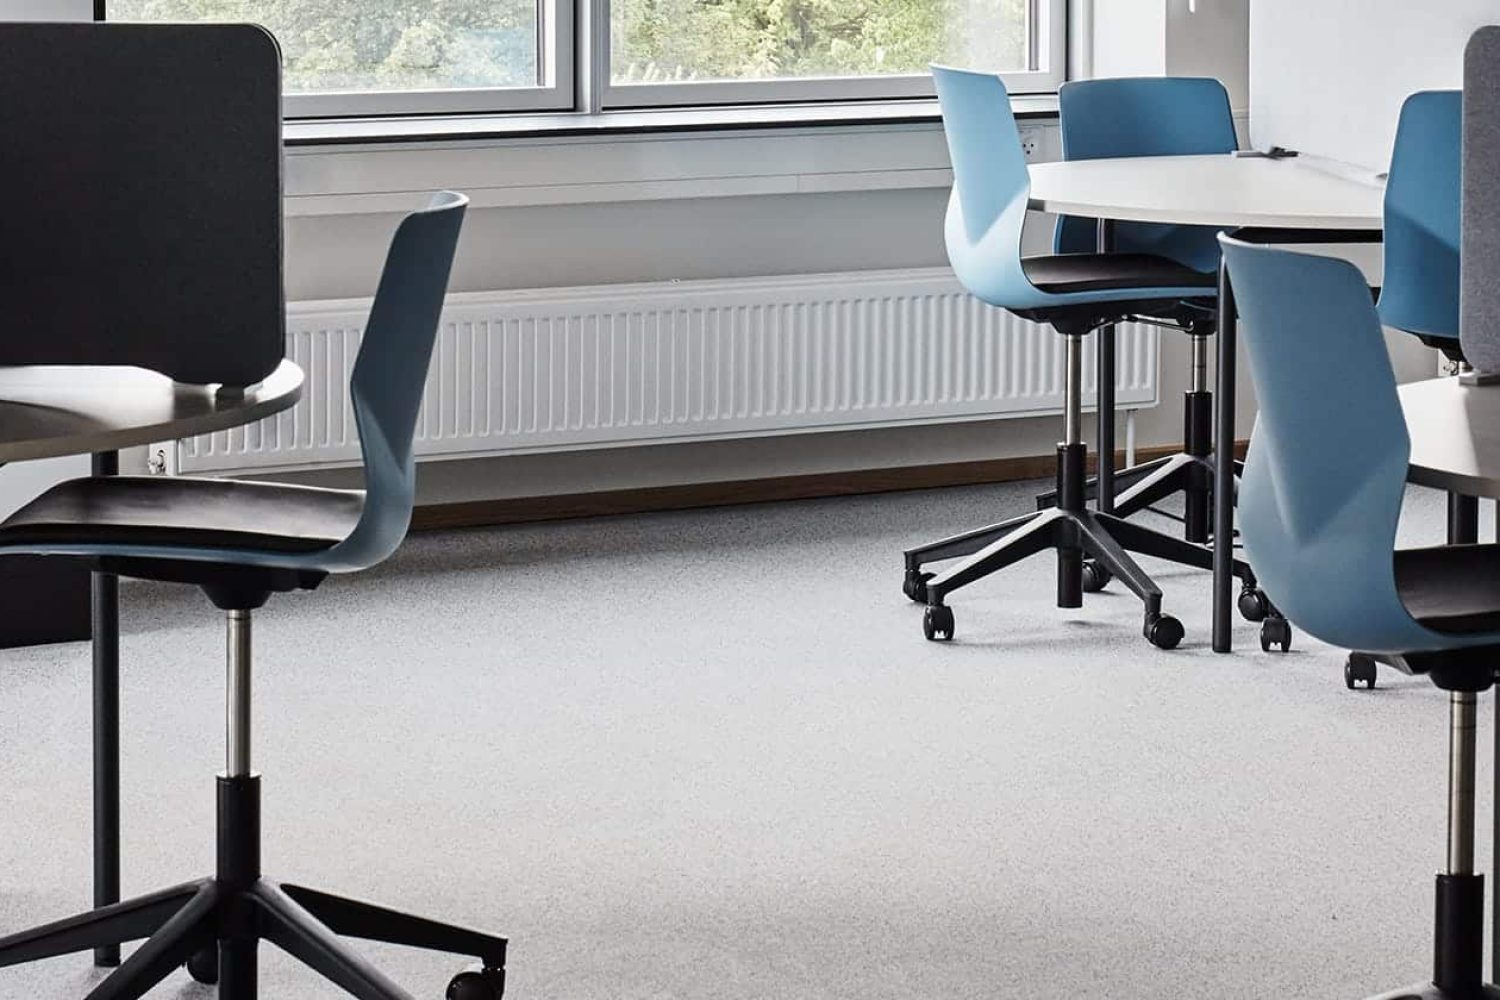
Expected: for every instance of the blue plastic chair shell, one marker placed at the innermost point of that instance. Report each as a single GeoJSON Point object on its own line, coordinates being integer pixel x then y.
{"type": "Point", "coordinates": [386, 389]}
{"type": "Point", "coordinates": [1145, 116]}
{"type": "Point", "coordinates": [1321, 493]}
{"type": "Point", "coordinates": [987, 209]}
{"type": "Point", "coordinates": [1423, 222]}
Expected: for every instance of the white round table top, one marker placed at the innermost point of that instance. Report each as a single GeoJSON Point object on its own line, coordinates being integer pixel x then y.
{"type": "Point", "coordinates": [1455, 435]}
{"type": "Point", "coordinates": [1220, 190]}
{"type": "Point", "coordinates": [52, 410]}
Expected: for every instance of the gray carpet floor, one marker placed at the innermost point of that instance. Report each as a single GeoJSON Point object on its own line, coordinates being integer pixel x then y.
{"type": "Point", "coordinates": [709, 755]}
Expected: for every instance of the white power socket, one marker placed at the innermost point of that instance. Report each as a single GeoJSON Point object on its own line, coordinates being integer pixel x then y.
{"type": "Point", "coordinates": [1031, 140]}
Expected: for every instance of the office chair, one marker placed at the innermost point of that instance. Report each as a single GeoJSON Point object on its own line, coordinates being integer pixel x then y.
{"type": "Point", "coordinates": [241, 542]}
{"type": "Point", "coordinates": [1420, 286]}
{"type": "Point", "coordinates": [1319, 506]}
{"type": "Point", "coordinates": [1075, 294]}
{"type": "Point", "coordinates": [1423, 223]}
{"type": "Point", "coordinates": [1160, 116]}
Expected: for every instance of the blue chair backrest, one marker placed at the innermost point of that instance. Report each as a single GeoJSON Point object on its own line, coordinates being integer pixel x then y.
{"type": "Point", "coordinates": [390, 374]}
{"type": "Point", "coordinates": [1321, 495]}
{"type": "Point", "coordinates": [1423, 220]}
{"type": "Point", "coordinates": [1145, 116]}
{"type": "Point", "coordinates": [987, 210]}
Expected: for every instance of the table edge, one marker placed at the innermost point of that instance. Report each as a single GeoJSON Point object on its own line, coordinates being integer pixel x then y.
{"type": "Point", "coordinates": [144, 434]}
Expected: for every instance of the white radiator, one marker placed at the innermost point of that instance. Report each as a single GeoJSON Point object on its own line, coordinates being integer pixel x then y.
{"type": "Point", "coordinates": [568, 368]}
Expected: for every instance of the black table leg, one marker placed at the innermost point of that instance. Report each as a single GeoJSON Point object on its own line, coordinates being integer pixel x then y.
{"type": "Point", "coordinates": [1105, 491]}
{"type": "Point", "coordinates": [1463, 519]}
{"type": "Point", "coordinates": [1224, 467]}
{"type": "Point", "coordinates": [1224, 386]}
{"type": "Point", "coordinates": [106, 608]}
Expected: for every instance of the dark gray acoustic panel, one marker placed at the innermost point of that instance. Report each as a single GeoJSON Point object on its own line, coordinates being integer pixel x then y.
{"type": "Point", "coordinates": [1479, 302]}
{"type": "Point", "coordinates": [141, 169]}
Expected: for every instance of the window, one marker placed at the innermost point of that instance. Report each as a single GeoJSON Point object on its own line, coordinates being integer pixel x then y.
{"type": "Point", "coordinates": [740, 51]}
{"type": "Point", "coordinates": [349, 58]}
{"type": "Point", "coordinates": [377, 57]}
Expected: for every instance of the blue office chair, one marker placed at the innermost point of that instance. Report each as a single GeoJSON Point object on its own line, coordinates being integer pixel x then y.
{"type": "Point", "coordinates": [1157, 116]}
{"type": "Point", "coordinates": [1144, 116]}
{"type": "Point", "coordinates": [240, 542]}
{"type": "Point", "coordinates": [1318, 507]}
{"type": "Point", "coordinates": [1420, 287]}
{"type": "Point", "coordinates": [1075, 294]}
{"type": "Point", "coordinates": [1419, 290]}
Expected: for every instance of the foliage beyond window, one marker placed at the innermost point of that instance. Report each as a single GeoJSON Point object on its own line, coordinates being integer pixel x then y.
{"type": "Point", "coordinates": [396, 46]}
{"type": "Point", "coordinates": [656, 40]}
{"type": "Point", "coordinates": [378, 44]}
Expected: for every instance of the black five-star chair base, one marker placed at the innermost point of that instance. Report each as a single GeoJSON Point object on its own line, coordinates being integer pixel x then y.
{"type": "Point", "coordinates": [1092, 548]}
{"type": "Point", "coordinates": [214, 927]}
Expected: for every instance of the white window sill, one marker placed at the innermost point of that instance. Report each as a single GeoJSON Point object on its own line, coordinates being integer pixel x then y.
{"type": "Point", "coordinates": [343, 168]}
{"type": "Point", "coordinates": [430, 128]}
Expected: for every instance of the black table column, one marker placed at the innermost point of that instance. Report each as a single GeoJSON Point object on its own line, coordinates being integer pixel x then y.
{"type": "Point", "coordinates": [1463, 519]}
{"type": "Point", "coordinates": [1105, 490]}
{"type": "Point", "coordinates": [1224, 465]}
{"type": "Point", "coordinates": [106, 613]}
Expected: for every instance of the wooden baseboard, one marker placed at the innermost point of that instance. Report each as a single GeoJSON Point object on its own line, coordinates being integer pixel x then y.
{"type": "Point", "coordinates": [520, 510]}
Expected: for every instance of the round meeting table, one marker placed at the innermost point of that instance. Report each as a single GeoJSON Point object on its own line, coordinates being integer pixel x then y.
{"type": "Point", "coordinates": [1291, 200]}
{"type": "Point", "coordinates": [51, 411]}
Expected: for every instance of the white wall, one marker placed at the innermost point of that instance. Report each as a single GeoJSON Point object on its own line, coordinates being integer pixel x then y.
{"type": "Point", "coordinates": [1327, 77]}
{"type": "Point", "coordinates": [1211, 41]}
{"type": "Point", "coordinates": [1130, 38]}
{"type": "Point", "coordinates": [1169, 38]}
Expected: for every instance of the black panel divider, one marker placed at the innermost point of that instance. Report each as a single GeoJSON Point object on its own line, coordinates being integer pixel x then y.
{"type": "Point", "coordinates": [145, 226]}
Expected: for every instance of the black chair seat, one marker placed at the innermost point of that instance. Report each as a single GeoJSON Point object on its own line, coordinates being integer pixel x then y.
{"type": "Point", "coordinates": [171, 511]}
{"type": "Point", "coordinates": [1062, 274]}
{"type": "Point", "coordinates": [1451, 588]}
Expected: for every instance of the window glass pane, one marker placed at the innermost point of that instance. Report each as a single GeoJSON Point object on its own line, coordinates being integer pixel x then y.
{"type": "Point", "coordinates": [378, 45]}
{"type": "Point", "coordinates": [675, 41]}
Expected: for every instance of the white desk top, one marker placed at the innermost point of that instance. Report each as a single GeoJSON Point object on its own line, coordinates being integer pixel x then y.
{"type": "Point", "coordinates": [47, 411]}
{"type": "Point", "coordinates": [1217, 190]}
{"type": "Point", "coordinates": [1455, 435]}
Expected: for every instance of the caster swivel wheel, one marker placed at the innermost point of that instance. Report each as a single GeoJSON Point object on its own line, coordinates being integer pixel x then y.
{"type": "Point", "coordinates": [477, 983]}
{"type": "Point", "coordinates": [1254, 605]}
{"type": "Point", "coordinates": [204, 966]}
{"type": "Point", "coordinates": [937, 622]}
{"type": "Point", "coordinates": [1163, 631]}
{"type": "Point", "coordinates": [1095, 576]}
{"type": "Point", "coordinates": [915, 585]}
{"type": "Point", "coordinates": [1359, 669]}
{"type": "Point", "coordinates": [1275, 632]}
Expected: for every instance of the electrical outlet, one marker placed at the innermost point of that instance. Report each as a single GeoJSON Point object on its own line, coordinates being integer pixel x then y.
{"type": "Point", "coordinates": [1031, 141]}
{"type": "Point", "coordinates": [161, 459]}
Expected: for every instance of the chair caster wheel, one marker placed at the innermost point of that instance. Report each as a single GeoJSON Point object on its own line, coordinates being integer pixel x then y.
{"type": "Point", "coordinates": [477, 983]}
{"type": "Point", "coordinates": [915, 585]}
{"type": "Point", "coordinates": [1359, 668]}
{"type": "Point", "coordinates": [1275, 632]}
{"type": "Point", "coordinates": [937, 622]}
{"type": "Point", "coordinates": [204, 966]}
{"type": "Point", "coordinates": [1255, 606]}
{"type": "Point", "coordinates": [1095, 576]}
{"type": "Point", "coordinates": [1163, 631]}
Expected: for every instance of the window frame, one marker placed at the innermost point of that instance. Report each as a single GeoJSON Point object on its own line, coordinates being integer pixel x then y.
{"type": "Point", "coordinates": [556, 20]}
{"type": "Point", "coordinates": [573, 53]}
{"type": "Point", "coordinates": [1049, 52]}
